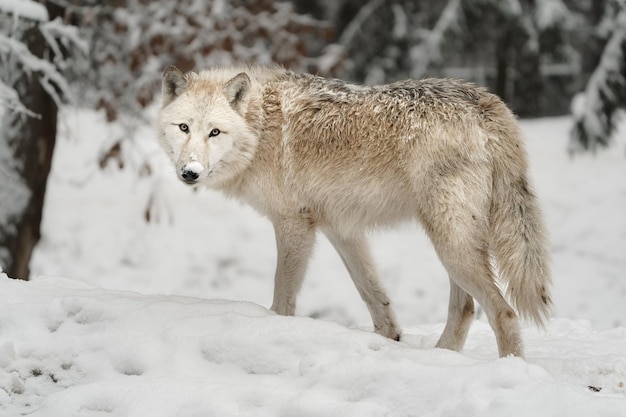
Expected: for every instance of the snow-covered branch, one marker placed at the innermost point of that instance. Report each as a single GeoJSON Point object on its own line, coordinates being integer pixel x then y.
{"type": "Point", "coordinates": [11, 100]}
{"type": "Point", "coordinates": [59, 35]}
{"type": "Point", "coordinates": [24, 9]}
{"type": "Point", "coordinates": [51, 79]}
{"type": "Point", "coordinates": [594, 110]}
{"type": "Point", "coordinates": [429, 50]}
{"type": "Point", "coordinates": [16, 56]}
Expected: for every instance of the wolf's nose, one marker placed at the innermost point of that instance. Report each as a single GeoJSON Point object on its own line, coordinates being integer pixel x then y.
{"type": "Point", "coordinates": [189, 176]}
{"type": "Point", "coordinates": [191, 172]}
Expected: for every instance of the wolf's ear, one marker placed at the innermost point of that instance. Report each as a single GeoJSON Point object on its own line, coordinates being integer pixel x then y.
{"type": "Point", "coordinates": [237, 89]}
{"type": "Point", "coordinates": [173, 85]}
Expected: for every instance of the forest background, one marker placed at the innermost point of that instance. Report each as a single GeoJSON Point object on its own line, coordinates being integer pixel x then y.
{"type": "Point", "coordinates": [543, 57]}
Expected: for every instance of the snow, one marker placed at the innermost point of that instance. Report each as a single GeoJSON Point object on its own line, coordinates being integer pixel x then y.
{"type": "Point", "coordinates": [195, 167]}
{"type": "Point", "coordinates": [549, 13]}
{"type": "Point", "coordinates": [25, 8]}
{"type": "Point", "coordinates": [71, 349]}
{"type": "Point", "coordinates": [146, 325]}
{"type": "Point", "coordinates": [14, 192]}
{"type": "Point", "coordinates": [429, 50]}
{"type": "Point", "coordinates": [595, 110]}
{"type": "Point", "coordinates": [60, 36]}
{"type": "Point", "coordinates": [53, 82]}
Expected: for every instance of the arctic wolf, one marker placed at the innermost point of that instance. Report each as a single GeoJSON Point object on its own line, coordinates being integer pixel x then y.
{"type": "Point", "coordinates": [317, 154]}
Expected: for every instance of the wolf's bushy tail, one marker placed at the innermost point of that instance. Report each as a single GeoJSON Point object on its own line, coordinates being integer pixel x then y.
{"type": "Point", "coordinates": [517, 233]}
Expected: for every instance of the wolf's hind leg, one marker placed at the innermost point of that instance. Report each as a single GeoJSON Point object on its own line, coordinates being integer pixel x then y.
{"type": "Point", "coordinates": [295, 238]}
{"type": "Point", "coordinates": [454, 210]}
{"type": "Point", "coordinates": [460, 316]}
{"type": "Point", "coordinates": [470, 269]}
{"type": "Point", "coordinates": [355, 254]}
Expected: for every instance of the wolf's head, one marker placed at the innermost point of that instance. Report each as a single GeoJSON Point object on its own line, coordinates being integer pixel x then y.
{"type": "Point", "coordinates": [202, 124]}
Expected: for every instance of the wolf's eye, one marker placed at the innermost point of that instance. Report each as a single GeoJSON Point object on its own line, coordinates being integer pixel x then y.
{"type": "Point", "coordinates": [214, 132]}
{"type": "Point", "coordinates": [184, 127]}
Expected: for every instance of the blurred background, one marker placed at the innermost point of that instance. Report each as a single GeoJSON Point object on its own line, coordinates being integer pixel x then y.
{"type": "Point", "coordinates": [96, 66]}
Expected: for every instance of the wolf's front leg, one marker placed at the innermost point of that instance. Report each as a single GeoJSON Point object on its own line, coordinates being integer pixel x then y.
{"type": "Point", "coordinates": [294, 242]}
{"type": "Point", "coordinates": [355, 254]}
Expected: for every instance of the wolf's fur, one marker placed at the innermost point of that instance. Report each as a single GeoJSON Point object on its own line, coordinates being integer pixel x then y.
{"type": "Point", "coordinates": [318, 154]}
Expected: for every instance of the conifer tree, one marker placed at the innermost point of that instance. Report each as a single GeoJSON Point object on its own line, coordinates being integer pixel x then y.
{"type": "Point", "coordinates": [595, 110]}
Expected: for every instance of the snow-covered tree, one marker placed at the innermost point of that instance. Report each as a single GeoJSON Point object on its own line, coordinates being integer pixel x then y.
{"type": "Point", "coordinates": [132, 41]}
{"type": "Point", "coordinates": [524, 49]}
{"type": "Point", "coordinates": [386, 41]}
{"type": "Point", "coordinates": [502, 44]}
{"type": "Point", "coordinates": [126, 44]}
{"type": "Point", "coordinates": [31, 88]}
{"type": "Point", "coordinates": [595, 110]}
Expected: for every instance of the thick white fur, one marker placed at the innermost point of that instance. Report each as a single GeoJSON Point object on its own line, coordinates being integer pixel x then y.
{"type": "Point", "coordinates": [317, 154]}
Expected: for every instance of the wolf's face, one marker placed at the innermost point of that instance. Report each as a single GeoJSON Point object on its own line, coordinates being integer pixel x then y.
{"type": "Point", "coordinates": [202, 126]}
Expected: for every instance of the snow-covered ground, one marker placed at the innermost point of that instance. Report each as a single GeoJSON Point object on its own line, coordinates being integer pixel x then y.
{"type": "Point", "coordinates": [68, 349]}
{"type": "Point", "coordinates": [130, 318]}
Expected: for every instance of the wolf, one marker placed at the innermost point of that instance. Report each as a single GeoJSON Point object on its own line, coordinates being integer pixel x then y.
{"type": "Point", "coordinates": [312, 153]}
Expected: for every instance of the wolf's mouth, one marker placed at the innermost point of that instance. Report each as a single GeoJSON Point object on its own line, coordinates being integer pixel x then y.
{"type": "Point", "coordinates": [189, 182]}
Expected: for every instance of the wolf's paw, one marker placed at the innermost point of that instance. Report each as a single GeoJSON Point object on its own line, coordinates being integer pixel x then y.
{"type": "Point", "coordinates": [391, 332]}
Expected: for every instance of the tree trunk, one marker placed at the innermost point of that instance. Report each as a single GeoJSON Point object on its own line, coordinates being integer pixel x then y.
{"type": "Point", "coordinates": [504, 61]}
{"type": "Point", "coordinates": [30, 142]}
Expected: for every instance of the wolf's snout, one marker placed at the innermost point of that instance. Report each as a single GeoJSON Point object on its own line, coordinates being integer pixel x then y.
{"type": "Point", "coordinates": [191, 172]}
{"type": "Point", "coordinates": [189, 176]}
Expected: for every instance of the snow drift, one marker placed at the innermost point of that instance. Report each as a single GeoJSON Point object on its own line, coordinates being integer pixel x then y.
{"type": "Point", "coordinates": [67, 348]}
